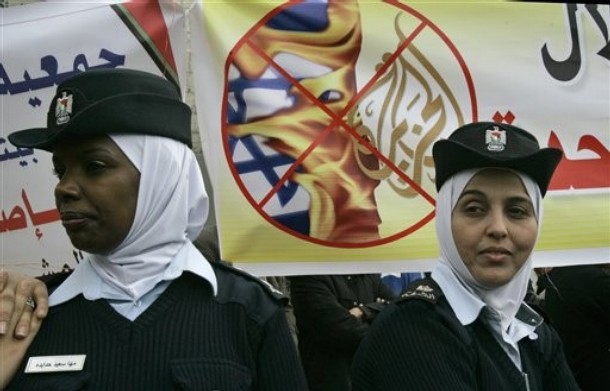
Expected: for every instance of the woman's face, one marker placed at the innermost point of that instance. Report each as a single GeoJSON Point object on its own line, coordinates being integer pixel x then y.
{"type": "Point", "coordinates": [97, 193]}
{"type": "Point", "coordinates": [494, 226]}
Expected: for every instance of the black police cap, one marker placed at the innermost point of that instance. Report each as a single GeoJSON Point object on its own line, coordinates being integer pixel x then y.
{"type": "Point", "coordinates": [111, 101]}
{"type": "Point", "coordinates": [490, 144]}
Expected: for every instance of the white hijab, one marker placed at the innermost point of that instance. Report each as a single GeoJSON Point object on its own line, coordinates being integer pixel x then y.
{"type": "Point", "coordinates": [171, 211]}
{"type": "Point", "coordinates": [506, 299]}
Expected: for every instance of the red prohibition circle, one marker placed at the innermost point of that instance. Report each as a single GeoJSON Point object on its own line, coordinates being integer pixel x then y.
{"type": "Point", "coordinates": [250, 44]}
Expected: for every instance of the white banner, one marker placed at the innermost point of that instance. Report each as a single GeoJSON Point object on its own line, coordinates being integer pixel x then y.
{"type": "Point", "coordinates": [43, 44]}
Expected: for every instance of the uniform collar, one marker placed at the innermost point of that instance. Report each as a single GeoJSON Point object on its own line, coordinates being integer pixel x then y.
{"type": "Point", "coordinates": [85, 280]}
{"type": "Point", "coordinates": [467, 306]}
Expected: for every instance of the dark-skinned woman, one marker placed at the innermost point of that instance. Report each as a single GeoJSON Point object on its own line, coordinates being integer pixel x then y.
{"type": "Point", "coordinates": [144, 310]}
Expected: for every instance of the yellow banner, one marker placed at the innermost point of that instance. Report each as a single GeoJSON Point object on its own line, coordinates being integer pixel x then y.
{"type": "Point", "coordinates": [318, 121]}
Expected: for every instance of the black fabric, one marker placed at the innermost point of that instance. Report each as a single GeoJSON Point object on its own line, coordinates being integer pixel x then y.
{"type": "Point", "coordinates": [111, 101]}
{"type": "Point", "coordinates": [474, 146]}
{"type": "Point", "coordinates": [577, 300]}
{"type": "Point", "coordinates": [419, 344]}
{"type": "Point", "coordinates": [328, 335]}
{"type": "Point", "coordinates": [188, 339]}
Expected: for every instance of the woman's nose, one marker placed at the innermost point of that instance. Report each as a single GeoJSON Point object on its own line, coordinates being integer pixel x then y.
{"type": "Point", "coordinates": [497, 224]}
{"type": "Point", "coordinates": [67, 188]}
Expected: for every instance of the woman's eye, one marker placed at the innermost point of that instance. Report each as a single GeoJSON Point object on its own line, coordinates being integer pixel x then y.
{"type": "Point", "coordinates": [95, 166]}
{"type": "Point", "coordinates": [473, 209]}
{"type": "Point", "coordinates": [518, 212]}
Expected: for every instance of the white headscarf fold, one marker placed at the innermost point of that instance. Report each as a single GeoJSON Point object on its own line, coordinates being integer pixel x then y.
{"type": "Point", "coordinates": [507, 298]}
{"type": "Point", "coordinates": [171, 211]}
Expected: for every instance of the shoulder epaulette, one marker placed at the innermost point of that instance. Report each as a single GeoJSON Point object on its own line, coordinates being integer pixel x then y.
{"type": "Point", "coordinates": [267, 287]}
{"type": "Point", "coordinates": [425, 289]}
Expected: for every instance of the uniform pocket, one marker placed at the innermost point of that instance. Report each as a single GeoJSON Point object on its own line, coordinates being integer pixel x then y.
{"type": "Point", "coordinates": [207, 374]}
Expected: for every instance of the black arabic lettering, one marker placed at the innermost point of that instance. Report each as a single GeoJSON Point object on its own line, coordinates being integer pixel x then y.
{"type": "Point", "coordinates": [603, 28]}
{"type": "Point", "coordinates": [566, 70]}
{"type": "Point", "coordinates": [43, 365]}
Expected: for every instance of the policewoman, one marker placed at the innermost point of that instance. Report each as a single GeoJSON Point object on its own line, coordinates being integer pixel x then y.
{"type": "Point", "coordinates": [467, 327]}
{"type": "Point", "coordinates": [144, 310]}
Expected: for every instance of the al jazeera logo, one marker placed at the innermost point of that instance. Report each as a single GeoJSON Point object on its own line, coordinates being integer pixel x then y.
{"type": "Point", "coordinates": [322, 152]}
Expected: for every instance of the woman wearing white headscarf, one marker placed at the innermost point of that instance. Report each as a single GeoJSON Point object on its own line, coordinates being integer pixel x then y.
{"type": "Point", "coordinates": [144, 309]}
{"type": "Point", "coordinates": [467, 327]}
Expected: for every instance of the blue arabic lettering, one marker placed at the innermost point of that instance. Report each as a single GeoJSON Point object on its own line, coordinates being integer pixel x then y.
{"type": "Point", "coordinates": [19, 152]}
{"type": "Point", "coordinates": [49, 65]}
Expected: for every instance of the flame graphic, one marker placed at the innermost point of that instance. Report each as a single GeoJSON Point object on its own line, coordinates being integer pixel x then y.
{"type": "Point", "coordinates": [314, 118]}
{"type": "Point", "coordinates": [343, 206]}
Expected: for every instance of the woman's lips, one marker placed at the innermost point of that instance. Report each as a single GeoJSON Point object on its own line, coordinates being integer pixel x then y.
{"type": "Point", "coordinates": [73, 220]}
{"type": "Point", "coordinates": [495, 254]}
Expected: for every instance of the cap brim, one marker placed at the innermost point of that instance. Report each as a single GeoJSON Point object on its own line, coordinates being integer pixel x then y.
{"type": "Point", "coordinates": [128, 113]}
{"type": "Point", "coordinates": [451, 157]}
{"type": "Point", "coordinates": [40, 138]}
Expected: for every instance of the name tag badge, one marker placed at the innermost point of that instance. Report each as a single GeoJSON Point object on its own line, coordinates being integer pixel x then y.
{"type": "Point", "coordinates": [44, 364]}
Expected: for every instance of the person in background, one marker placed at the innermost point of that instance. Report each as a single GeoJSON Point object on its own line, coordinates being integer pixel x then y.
{"type": "Point", "coordinates": [467, 326]}
{"type": "Point", "coordinates": [144, 309]}
{"type": "Point", "coordinates": [398, 282]}
{"type": "Point", "coordinates": [333, 313]}
{"type": "Point", "coordinates": [577, 301]}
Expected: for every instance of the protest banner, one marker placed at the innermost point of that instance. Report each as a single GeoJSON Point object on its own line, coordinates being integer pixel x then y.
{"type": "Point", "coordinates": [317, 121]}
